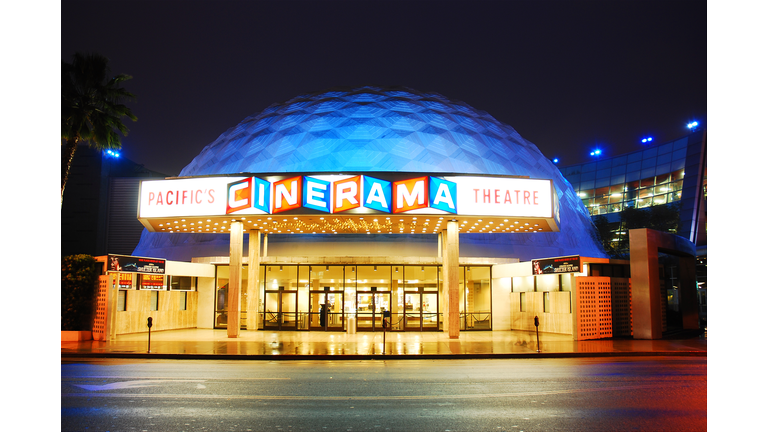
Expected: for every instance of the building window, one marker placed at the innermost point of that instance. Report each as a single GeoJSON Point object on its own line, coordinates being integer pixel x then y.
{"type": "Point", "coordinates": [183, 283]}
{"type": "Point", "coordinates": [546, 302]}
{"type": "Point", "coordinates": [183, 301]}
{"type": "Point", "coordinates": [122, 295]}
{"type": "Point", "coordinates": [522, 302]}
{"type": "Point", "coordinates": [657, 190]}
{"type": "Point", "coordinates": [154, 299]}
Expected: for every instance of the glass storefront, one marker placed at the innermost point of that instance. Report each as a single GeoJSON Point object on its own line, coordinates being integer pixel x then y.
{"type": "Point", "coordinates": [476, 302]}
{"type": "Point", "coordinates": [419, 299]}
{"type": "Point", "coordinates": [325, 297]}
{"type": "Point", "coordinates": [221, 299]}
{"type": "Point", "coordinates": [281, 298]}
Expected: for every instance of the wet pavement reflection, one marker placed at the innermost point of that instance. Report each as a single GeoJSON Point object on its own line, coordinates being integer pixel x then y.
{"type": "Point", "coordinates": [208, 342]}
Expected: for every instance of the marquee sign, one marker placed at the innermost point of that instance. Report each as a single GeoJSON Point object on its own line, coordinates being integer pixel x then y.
{"type": "Point", "coordinates": [348, 194]}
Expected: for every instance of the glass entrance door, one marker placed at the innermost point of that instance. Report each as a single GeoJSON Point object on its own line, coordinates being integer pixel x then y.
{"type": "Point", "coordinates": [280, 310]}
{"type": "Point", "coordinates": [326, 310]}
{"type": "Point", "coordinates": [412, 316]}
{"type": "Point", "coordinates": [421, 310]}
{"type": "Point", "coordinates": [429, 311]}
{"type": "Point", "coordinates": [370, 308]}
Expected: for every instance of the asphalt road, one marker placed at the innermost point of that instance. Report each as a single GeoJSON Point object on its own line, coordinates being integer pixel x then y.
{"type": "Point", "coordinates": [605, 394]}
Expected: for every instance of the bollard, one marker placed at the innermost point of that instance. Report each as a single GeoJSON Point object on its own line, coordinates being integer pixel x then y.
{"type": "Point", "coordinates": [149, 332]}
{"type": "Point", "coordinates": [536, 323]}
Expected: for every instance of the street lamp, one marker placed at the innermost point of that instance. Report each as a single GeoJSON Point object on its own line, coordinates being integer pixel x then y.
{"type": "Point", "coordinates": [692, 125]}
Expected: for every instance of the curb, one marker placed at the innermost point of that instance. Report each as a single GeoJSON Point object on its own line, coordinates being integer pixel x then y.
{"type": "Point", "coordinates": [284, 357]}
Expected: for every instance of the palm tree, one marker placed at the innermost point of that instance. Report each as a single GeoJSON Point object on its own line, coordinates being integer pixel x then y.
{"type": "Point", "coordinates": [92, 107]}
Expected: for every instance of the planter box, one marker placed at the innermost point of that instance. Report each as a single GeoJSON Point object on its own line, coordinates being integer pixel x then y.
{"type": "Point", "coordinates": [74, 336]}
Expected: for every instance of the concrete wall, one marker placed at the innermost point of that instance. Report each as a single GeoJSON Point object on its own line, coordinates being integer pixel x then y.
{"type": "Point", "coordinates": [206, 288]}
{"type": "Point", "coordinates": [176, 268]}
{"type": "Point", "coordinates": [647, 313]}
{"type": "Point", "coordinates": [557, 320]}
{"type": "Point", "coordinates": [500, 303]}
{"type": "Point", "coordinates": [168, 315]}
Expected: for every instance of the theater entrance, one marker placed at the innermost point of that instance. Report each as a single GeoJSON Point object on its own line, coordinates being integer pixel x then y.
{"type": "Point", "coordinates": [371, 305]}
{"type": "Point", "coordinates": [421, 309]}
{"type": "Point", "coordinates": [280, 310]}
{"type": "Point", "coordinates": [326, 310]}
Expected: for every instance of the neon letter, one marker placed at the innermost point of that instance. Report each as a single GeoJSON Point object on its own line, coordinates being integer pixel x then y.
{"type": "Point", "coordinates": [348, 191]}
{"type": "Point", "coordinates": [287, 194]}
{"type": "Point", "coordinates": [410, 194]}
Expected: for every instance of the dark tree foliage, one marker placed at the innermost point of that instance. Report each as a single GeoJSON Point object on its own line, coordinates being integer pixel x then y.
{"type": "Point", "coordinates": [79, 288]}
{"type": "Point", "coordinates": [92, 108]}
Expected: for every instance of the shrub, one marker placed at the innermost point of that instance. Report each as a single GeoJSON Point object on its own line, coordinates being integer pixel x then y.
{"type": "Point", "coordinates": [79, 288]}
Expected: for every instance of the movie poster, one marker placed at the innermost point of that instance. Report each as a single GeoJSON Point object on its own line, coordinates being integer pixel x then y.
{"type": "Point", "coordinates": [569, 264]}
{"type": "Point", "coordinates": [131, 264]}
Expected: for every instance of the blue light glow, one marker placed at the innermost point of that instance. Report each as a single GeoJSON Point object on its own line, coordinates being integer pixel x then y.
{"type": "Point", "coordinates": [647, 140]}
{"type": "Point", "coordinates": [114, 154]}
{"type": "Point", "coordinates": [555, 160]}
{"type": "Point", "coordinates": [693, 125]}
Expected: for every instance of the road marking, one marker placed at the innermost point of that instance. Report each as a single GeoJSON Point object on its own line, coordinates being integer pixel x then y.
{"type": "Point", "coordinates": [80, 378]}
{"type": "Point", "coordinates": [131, 384]}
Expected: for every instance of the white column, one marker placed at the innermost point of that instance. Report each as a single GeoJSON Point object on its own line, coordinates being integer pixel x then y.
{"type": "Point", "coordinates": [451, 279]}
{"type": "Point", "coordinates": [254, 284]}
{"type": "Point", "coordinates": [235, 275]}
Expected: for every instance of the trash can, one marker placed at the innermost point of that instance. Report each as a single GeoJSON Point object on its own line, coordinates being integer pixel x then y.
{"type": "Point", "coordinates": [351, 325]}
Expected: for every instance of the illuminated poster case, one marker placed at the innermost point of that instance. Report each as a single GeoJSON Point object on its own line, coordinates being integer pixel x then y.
{"type": "Point", "coordinates": [132, 264]}
{"type": "Point", "coordinates": [568, 264]}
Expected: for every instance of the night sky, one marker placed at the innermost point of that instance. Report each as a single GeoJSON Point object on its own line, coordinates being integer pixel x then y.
{"type": "Point", "coordinates": [569, 76]}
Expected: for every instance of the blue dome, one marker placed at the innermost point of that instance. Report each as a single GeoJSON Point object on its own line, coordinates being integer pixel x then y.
{"type": "Point", "coordinates": [375, 129]}
{"type": "Point", "coordinates": [369, 129]}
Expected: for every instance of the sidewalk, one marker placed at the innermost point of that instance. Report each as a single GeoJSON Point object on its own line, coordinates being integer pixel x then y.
{"type": "Point", "coordinates": [270, 345]}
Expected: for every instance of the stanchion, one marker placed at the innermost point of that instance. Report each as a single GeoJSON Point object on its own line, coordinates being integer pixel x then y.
{"type": "Point", "coordinates": [536, 323]}
{"type": "Point", "coordinates": [384, 323]}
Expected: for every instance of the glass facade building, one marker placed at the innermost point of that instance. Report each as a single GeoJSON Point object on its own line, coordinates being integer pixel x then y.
{"type": "Point", "coordinates": [324, 297]}
{"type": "Point", "coordinates": [671, 173]}
{"type": "Point", "coordinates": [649, 177]}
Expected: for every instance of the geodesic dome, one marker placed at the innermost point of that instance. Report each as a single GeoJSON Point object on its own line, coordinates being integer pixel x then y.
{"type": "Point", "coordinates": [375, 129]}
